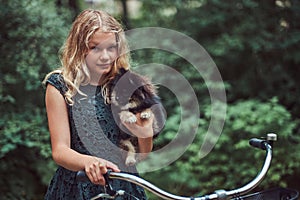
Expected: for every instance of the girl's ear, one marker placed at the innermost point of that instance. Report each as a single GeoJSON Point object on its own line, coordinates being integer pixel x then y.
{"type": "Point", "coordinates": [86, 52]}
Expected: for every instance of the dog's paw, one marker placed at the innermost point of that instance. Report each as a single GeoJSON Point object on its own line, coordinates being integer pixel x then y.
{"type": "Point", "coordinates": [145, 115]}
{"type": "Point", "coordinates": [128, 117]}
{"type": "Point", "coordinates": [131, 119]}
{"type": "Point", "coordinates": [130, 160]}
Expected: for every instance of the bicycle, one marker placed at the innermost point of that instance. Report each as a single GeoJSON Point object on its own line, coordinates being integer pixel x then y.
{"type": "Point", "coordinates": [241, 193]}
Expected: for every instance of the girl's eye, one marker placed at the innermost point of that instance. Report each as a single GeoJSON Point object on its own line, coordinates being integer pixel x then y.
{"type": "Point", "coordinates": [112, 48]}
{"type": "Point", "coordinates": [94, 48]}
{"type": "Point", "coordinates": [98, 49]}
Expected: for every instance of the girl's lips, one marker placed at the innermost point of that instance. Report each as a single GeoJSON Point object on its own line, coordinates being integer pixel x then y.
{"type": "Point", "coordinates": [104, 65]}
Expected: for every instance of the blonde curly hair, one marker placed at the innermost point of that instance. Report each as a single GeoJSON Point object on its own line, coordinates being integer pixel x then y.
{"type": "Point", "coordinates": [74, 69]}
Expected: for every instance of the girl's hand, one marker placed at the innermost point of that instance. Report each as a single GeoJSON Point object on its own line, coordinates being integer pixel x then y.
{"type": "Point", "coordinates": [96, 167]}
{"type": "Point", "coordinates": [142, 128]}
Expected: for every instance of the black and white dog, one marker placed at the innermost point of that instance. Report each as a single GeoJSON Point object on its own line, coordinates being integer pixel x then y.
{"type": "Point", "coordinates": [131, 93]}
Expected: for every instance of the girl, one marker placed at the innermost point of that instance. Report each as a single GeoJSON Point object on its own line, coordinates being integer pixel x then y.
{"type": "Point", "coordinates": [84, 135]}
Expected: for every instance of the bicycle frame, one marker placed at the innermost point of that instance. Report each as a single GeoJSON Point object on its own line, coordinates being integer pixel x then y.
{"type": "Point", "coordinates": [217, 195]}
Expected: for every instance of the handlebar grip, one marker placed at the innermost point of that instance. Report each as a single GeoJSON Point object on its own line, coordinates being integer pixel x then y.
{"type": "Point", "coordinates": [81, 176]}
{"type": "Point", "coordinates": [258, 143]}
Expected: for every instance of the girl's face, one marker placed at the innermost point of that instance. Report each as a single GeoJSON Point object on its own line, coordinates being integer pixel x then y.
{"type": "Point", "coordinates": [103, 51]}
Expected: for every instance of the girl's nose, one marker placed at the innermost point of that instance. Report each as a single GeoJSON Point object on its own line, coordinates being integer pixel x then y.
{"type": "Point", "coordinates": [104, 56]}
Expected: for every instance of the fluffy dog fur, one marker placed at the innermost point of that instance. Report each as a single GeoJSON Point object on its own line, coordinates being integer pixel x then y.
{"type": "Point", "coordinates": [132, 93]}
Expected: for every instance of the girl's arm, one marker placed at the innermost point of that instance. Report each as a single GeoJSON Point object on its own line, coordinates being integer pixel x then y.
{"type": "Point", "coordinates": [62, 153]}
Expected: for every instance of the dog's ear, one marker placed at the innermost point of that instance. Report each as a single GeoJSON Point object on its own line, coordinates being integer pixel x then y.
{"type": "Point", "coordinates": [148, 87]}
{"type": "Point", "coordinates": [143, 82]}
{"type": "Point", "coordinates": [151, 89]}
{"type": "Point", "coordinates": [122, 71]}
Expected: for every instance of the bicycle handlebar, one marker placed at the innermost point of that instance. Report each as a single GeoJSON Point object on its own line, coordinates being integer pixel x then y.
{"type": "Point", "coordinates": [217, 195]}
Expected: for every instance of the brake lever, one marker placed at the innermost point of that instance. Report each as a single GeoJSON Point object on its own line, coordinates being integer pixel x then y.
{"type": "Point", "coordinates": [108, 196]}
{"type": "Point", "coordinates": [102, 195]}
{"type": "Point", "coordinates": [108, 187]}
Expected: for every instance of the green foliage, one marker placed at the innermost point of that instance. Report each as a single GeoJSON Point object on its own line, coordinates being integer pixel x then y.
{"type": "Point", "coordinates": [232, 156]}
{"type": "Point", "coordinates": [30, 36]}
{"type": "Point", "coordinates": [26, 174]}
{"type": "Point", "coordinates": [255, 46]}
{"type": "Point", "coordinates": [255, 119]}
{"type": "Point", "coordinates": [253, 43]}
{"type": "Point", "coordinates": [26, 129]}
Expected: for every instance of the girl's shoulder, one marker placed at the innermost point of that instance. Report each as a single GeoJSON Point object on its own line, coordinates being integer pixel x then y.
{"type": "Point", "coordinates": [56, 79]}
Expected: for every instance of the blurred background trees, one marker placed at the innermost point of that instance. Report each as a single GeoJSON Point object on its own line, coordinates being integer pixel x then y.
{"type": "Point", "coordinates": [255, 45]}
{"type": "Point", "coordinates": [31, 34]}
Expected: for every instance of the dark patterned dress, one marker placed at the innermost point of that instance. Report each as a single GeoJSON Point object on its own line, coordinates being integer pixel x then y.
{"type": "Point", "coordinates": [93, 132]}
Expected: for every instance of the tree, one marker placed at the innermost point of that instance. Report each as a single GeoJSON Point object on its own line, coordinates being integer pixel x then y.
{"type": "Point", "coordinates": [254, 45]}
{"type": "Point", "coordinates": [31, 35]}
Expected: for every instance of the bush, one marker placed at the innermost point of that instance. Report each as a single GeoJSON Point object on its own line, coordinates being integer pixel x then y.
{"type": "Point", "coordinates": [31, 34]}
{"type": "Point", "coordinates": [232, 162]}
